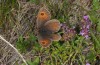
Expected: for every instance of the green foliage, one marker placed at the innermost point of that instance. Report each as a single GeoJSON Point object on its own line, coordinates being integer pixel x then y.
{"type": "Point", "coordinates": [94, 15]}
{"type": "Point", "coordinates": [25, 44]}
{"type": "Point", "coordinates": [68, 51]}
{"type": "Point", "coordinates": [35, 62]}
{"type": "Point", "coordinates": [59, 10]}
{"type": "Point", "coordinates": [6, 18]}
{"type": "Point", "coordinates": [91, 56]}
{"type": "Point", "coordinates": [98, 25]}
{"type": "Point", "coordinates": [96, 4]}
{"type": "Point", "coordinates": [35, 1]}
{"type": "Point", "coordinates": [97, 43]}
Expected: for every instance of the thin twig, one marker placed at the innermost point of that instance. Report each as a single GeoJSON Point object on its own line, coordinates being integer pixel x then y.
{"type": "Point", "coordinates": [14, 49]}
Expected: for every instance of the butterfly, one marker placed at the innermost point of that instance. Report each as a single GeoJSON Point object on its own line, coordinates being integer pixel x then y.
{"type": "Point", "coordinates": [47, 29]}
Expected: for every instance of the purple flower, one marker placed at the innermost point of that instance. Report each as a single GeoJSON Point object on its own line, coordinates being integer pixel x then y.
{"type": "Point", "coordinates": [88, 26]}
{"type": "Point", "coordinates": [87, 63]}
{"type": "Point", "coordinates": [85, 26]}
{"type": "Point", "coordinates": [87, 21]}
{"type": "Point", "coordinates": [84, 31]}
{"type": "Point", "coordinates": [68, 33]}
{"type": "Point", "coordinates": [64, 27]}
{"type": "Point", "coordinates": [86, 17]}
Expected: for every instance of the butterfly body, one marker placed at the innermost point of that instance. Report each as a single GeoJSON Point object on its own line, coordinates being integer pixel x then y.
{"type": "Point", "coordinates": [44, 32]}
{"type": "Point", "coordinates": [47, 29]}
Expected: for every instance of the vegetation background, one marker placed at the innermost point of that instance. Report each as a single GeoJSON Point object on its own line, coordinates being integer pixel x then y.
{"type": "Point", "coordinates": [17, 25]}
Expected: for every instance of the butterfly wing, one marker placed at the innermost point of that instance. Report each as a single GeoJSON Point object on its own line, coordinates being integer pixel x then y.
{"type": "Point", "coordinates": [52, 25]}
{"type": "Point", "coordinates": [43, 16]}
{"type": "Point", "coordinates": [45, 24]}
{"type": "Point", "coordinates": [44, 42]}
{"type": "Point", "coordinates": [55, 37]}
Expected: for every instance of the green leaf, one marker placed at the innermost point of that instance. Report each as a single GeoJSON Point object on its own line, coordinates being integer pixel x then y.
{"type": "Point", "coordinates": [96, 4]}
{"type": "Point", "coordinates": [35, 62]}
{"type": "Point", "coordinates": [91, 56]}
{"type": "Point", "coordinates": [96, 40]}
{"type": "Point", "coordinates": [32, 37]}
{"type": "Point", "coordinates": [98, 26]}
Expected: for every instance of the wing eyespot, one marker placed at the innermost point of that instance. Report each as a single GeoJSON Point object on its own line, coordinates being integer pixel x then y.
{"type": "Point", "coordinates": [44, 42]}
{"type": "Point", "coordinates": [42, 14]}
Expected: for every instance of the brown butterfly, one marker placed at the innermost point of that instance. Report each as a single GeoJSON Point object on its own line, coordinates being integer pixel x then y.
{"type": "Point", "coordinates": [47, 29]}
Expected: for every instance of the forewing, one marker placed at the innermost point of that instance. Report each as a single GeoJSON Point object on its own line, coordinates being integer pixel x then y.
{"type": "Point", "coordinates": [43, 16]}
